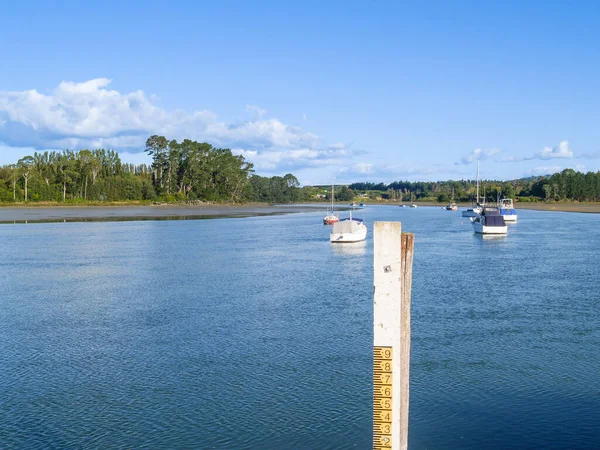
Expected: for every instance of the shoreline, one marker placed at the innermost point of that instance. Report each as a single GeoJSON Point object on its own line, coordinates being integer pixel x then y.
{"type": "Point", "coordinates": [592, 208]}
{"type": "Point", "coordinates": [82, 213]}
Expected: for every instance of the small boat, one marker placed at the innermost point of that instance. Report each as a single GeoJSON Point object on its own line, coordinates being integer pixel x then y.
{"type": "Point", "coordinates": [412, 205]}
{"type": "Point", "coordinates": [507, 210]}
{"type": "Point", "coordinates": [361, 205]}
{"type": "Point", "coordinates": [489, 222]}
{"type": "Point", "coordinates": [402, 205]}
{"type": "Point", "coordinates": [452, 206]}
{"type": "Point", "coordinates": [353, 204]}
{"type": "Point", "coordinates": [348, 230]}
{"type": "Point", "coordinates": [472, 212]}
{"type": "Point", "coordinates": [331, 217]}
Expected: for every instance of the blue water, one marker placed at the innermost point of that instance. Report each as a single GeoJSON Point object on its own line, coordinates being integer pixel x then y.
{"type": "Point", "coordinates": [256, 333]}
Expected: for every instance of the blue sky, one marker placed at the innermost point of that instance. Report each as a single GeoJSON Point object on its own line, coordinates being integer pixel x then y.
{"type": "Point", "coordinates": [378, 91]}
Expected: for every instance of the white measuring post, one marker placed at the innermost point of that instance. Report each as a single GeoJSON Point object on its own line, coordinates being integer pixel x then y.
{"type": "Point", "coordinates": [391, 335]}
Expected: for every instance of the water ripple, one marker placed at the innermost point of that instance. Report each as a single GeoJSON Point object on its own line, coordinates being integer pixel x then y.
{"type": "Point", "coordinates": [256, 334]}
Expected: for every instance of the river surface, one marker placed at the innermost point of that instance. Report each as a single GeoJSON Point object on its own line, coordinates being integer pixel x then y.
{"type": "Point", "coordinates": [256, 333]}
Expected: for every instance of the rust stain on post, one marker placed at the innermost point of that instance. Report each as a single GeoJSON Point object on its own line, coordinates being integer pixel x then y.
{"type": "Point", "coordinates": [407, 250]}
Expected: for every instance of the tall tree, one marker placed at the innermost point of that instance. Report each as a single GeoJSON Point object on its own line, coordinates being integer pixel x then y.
{"type": "Point", "coordinates": [25, 164]}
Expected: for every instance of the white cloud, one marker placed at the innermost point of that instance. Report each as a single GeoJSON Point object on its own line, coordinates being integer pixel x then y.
{"type": "Point", "coordinates": [271, 161]}
{"type": "Point", "coordinates": [542, 170]}
{"type": "Point", "coordinates": [362, 168]}
{"type": "Point", "coordinates": [478, 153]}
{"type": "Point", "coordinates": [512, 159]}
{"type": "Point", "coordinates": [90, 115]}
{"type": "Point", "coordinates": [562, 150]}
{"type": "Point", "coordinates": [549, 170]}
{"type": "Point", "coordinates": [380, 172]}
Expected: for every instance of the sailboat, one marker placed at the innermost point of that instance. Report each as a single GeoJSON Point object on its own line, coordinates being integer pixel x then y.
{"type": "Point", "coordinates": [477, 209]}
{"type": "Point", "coordinates": [452, 206]}
{"type": "Point", "coordinates": [348, 230]}
{"type": "Point", "coordinates": [412, 204]}
{"type": "Point", "coordinates": [331, 217]}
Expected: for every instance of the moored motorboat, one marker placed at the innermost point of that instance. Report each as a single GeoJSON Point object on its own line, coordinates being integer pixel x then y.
{"type": "Point", "coordinates": [507, 210]}
{"type": "Point", "coordinates": [490, 221]}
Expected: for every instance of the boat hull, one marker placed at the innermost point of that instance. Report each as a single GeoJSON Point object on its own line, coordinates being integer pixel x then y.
{"type": "Point", "coordinates": [360, 234]}
{"type": "Point", "coordinates": [510, 217]}
{"type": "Point", "coordinates": [483, 229]}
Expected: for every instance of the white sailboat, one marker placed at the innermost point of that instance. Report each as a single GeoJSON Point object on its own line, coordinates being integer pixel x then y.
{"type": "Point", "coordinates": [477, 209]}
{"type": "Point", "coordinates": [412, 204]}
{"type": "Point", "coordinates": [331, 217]}
{"type": "Point", "coordinates": [348, 230]}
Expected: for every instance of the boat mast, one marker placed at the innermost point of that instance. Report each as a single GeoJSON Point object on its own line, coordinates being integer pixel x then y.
{"type": "Point", "coordinates": [332, 183]}
{"type": "Point", "coordinates": [477, 200]}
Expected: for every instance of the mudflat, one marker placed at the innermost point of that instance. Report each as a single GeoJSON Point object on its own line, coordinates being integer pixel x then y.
{"type": "Point", "coordinates": [100, 213]}
{"type": "Point", "coordinates": [10, 214]}
{"type": "Point", "coordinates": [541, 206]}
{"type": "Point", "coordinates": [565, 207]}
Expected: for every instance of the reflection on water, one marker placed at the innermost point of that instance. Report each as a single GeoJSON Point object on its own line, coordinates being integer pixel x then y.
{"type": "Point", "coordinates": [349, 248]}
{"type": "Point", "coordinates": [491, 237]}
{"type": "Point", "coordinates": [139, 218]}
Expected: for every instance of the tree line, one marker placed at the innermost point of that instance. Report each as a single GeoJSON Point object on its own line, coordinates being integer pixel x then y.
{"type": "Point", "coordinates": [568, 185]}
{"type": "Point", "coordinates": [191, 170]}
{"type": "Point", "coordinates": [180, 171]}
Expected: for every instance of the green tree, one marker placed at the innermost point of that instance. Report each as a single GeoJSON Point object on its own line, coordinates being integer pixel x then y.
{"type": "Point", "coordinates": [345, 194]}
{"type": "Point", "coordinates": [25, 164]}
